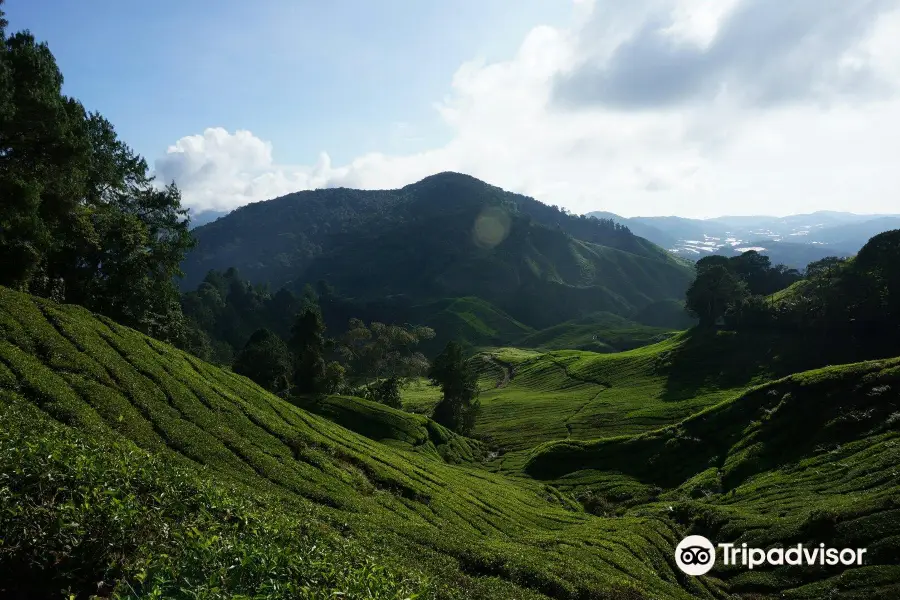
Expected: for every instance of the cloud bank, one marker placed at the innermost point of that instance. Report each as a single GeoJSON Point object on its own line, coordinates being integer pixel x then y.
{"type": "Point", "coordinates": [694, 107]}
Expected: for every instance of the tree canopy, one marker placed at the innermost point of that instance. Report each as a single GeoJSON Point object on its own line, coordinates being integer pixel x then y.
{"type": "Point", "coordinates": [459, 404]}
{"type": "Point", "coordinates": [82, 220]}
{"type": "Point", "coordinates": [266, 360]}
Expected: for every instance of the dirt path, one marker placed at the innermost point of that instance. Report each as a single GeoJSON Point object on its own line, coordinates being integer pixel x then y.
{"type": "Point", "coordinates": [508, 370]}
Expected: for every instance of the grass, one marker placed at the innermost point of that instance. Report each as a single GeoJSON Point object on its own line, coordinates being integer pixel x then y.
{"type": "Point", "coordinates": [473, 320]}
{"type": "Point", "coordinates": [807, 458]}
{"type": "Point", "coordinates": [397, 428]}
{"type": "Point", "coordinates": [129, 462]}
{"type": "Point", "coordinates": [470, 533]}
{"type": "Point", "coordinates": [530, 397]}
{"type": "Point", "coordinates": [599, 332]}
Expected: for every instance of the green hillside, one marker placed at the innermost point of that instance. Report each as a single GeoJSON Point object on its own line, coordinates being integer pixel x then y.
{"type": "Point", "coordinates": [397, 428]}
{"type": "Point", "coordinates": [808, 458]}
{"type": "Point", "coordinates": [599, 332]}
{"type": "Point", "coordinates": [469, 320]}
{"type": "Point", "coordinates": [552, 404]}
{"type": "Point", "coordinates": [176, 478]}
{"type": "Point", "coordinates": [447, 236]}
{"type": "Point", "coordinates": [530, 397]}
{"type": "Point", "coordinates": [448, 531]}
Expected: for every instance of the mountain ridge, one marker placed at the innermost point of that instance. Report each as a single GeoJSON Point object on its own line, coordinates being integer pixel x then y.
{"type": "Point", "coordinates": [448, 235]}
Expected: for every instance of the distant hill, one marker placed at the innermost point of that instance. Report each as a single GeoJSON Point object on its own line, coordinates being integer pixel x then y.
{"type": "Point", "coordinates": [447, 236]}
{"type": "Point", "coordinates": [640, 228]}
{"type": "Point", "coordinates": [791, 254]}
{"type": "Point", "coordinates": [853, 236]}
{"type": "Point", "coordinates": [599, 332]}
{"type": "Point", "coordinates": [208, 216]}
{"type": "Point", "coordinates": [794, 240]}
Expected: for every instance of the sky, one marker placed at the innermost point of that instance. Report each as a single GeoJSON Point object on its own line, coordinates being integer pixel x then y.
{"type": "Point", "coordinates": [696, 108]}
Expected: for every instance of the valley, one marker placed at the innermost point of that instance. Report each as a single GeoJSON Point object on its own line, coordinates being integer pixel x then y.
{"type": "Point", "coordinates": [604, 462]}
{"type": "Point", "coordinates": [228, 374]}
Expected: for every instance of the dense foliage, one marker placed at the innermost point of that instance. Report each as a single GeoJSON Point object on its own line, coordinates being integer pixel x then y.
{"type": "Point", "coordinates": [459, 405]}
{"type": "Point", "coordinates": [723, 283]}
{"type": "Point", "coordinates": [81, 516]}
{"type": "Point", "coordinates": [447, 236]}
{"type": "Point", "coordinates": [381, 358]}
{"type": "Point", "coordinates": [81, 219]}
{"type": "Point", "coordinates": [267, 361]}
{"type": "Point", "coordinates": [294, 502]}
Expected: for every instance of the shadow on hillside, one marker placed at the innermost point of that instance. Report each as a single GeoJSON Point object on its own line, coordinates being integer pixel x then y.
{"type": "Point", "coordinates": [713, 360]}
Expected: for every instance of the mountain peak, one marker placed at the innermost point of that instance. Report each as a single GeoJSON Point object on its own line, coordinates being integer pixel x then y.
{"type": "Point", "coordinates": [447, 178]}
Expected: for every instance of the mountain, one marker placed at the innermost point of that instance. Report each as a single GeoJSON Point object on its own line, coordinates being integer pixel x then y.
{"type": "Point", "coordinates": [852, 236]}
{"type": "Point", "coordinates": [679, 228]}
{"type": "Point", "coordinates": [793, 240]}
{"type": "Point", "coordinates": [447, 236]}
{"type": "Point", "coordinates": [199, 219]}
{"type": "Point", "coordinates": [791, 254]}
{"type": "Point", "coordinates": [639, 228]}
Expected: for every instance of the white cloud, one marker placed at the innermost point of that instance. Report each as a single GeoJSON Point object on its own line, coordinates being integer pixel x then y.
{"type": "Point", "coordinates": [218, 170]}
{"type": "Point", "coordinates": [813, 126]}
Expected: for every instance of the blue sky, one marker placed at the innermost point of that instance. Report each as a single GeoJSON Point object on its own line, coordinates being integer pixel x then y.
{"type": "Point", "coordinates": [346, 76]}
{"type": "Point", "coordinates": [646, 107]}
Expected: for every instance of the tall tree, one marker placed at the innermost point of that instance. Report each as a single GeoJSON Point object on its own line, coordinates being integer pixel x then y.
{"type": "Point", "coordinates": [81, 219]}
{"type": "Point", "coordinates": [308, 347]}
{"type": "Point", "coordinates": [878, 264]}
{"type": "Point", "coordinates": [459, 405]}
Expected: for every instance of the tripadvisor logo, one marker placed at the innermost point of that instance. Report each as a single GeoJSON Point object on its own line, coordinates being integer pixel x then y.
{"type": "Point", "coordinates": [696, 555]}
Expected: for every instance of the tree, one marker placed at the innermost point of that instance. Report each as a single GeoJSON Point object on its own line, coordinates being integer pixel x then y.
{"type": "Point", "coordinates": [81, 219]}
{"type": "Point", "coordinates": [713, 260]}
{"type": "Point", "coordinates": [824, 266]}
{"type": "Point", "coordinates": [266, 360]}
{"type": "Point", "coordinates": [335, 381]}
{"type": "Point", "coordinates": [753, 268]}
{"type": "Point", "coordinates": [43, 157]}
{"type": "Point", "coordinates": [878, 266]}
{"type": "Point", "coordinates": [711, 294]}
{"type": "Point", "coordinates": [383, 357]}
{"type": "Point", "coordinates": [459, 405]}
{"type": "Point", "coordinates": [308, 347]}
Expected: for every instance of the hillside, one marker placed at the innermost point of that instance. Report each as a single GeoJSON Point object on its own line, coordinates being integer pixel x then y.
{"type": "Point", "coordinates": [598, 332]}
{"type": "Point", "coordinates": [656, 235]}
{"type": "Point", "coordinates": [442, 530]}
{"type": "Point", "coordinates": [809, 458]}
{"type": "Point", "coordinates": [447, 236]}
{"type": "Point", "coordinates": [173, 468]}
{"type": "Point", "coordinates": [530, 397]}
{"type": "Point", "coordinates": [793, 240]}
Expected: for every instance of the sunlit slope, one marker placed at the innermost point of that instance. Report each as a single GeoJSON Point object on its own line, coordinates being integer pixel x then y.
{"type": "Point", "coordinates": [470, 321]}
{"type": "Point", "coordinates": [530, 397]}
{"type": "Point", "coordinates": [476, 534]}
{"type": "Point", "coordinates": [808, 458]}
{"type": "Point", "coordinates": [599, 332]}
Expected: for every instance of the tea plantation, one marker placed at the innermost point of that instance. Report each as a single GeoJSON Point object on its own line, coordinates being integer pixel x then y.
{"type": "Point", "coordinates": [131, 469]}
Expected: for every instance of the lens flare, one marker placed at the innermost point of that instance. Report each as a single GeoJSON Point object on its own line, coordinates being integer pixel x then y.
{"type": "Point", "coordinates": [491, 227]}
